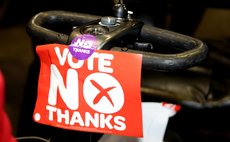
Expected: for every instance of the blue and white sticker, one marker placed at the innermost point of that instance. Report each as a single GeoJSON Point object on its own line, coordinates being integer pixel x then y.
{"type": "Point", "coordinates": [83, 46]}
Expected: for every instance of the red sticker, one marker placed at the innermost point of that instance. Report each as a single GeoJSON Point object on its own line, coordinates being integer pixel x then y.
{"type": "Point", "coordinates": [94, 95]}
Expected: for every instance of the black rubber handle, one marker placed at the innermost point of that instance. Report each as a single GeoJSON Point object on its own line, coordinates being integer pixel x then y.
{"type": "Point", "coordinates": [192, 50]}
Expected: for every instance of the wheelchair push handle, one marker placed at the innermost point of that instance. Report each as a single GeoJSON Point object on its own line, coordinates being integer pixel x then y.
{"type": "Point", "coordinates": [42, 28]}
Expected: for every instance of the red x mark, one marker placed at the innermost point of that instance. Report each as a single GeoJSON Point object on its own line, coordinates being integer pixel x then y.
{"type": "Point", "coordinates": [103, 93]}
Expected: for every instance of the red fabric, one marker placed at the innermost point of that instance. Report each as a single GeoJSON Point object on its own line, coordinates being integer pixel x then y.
{"type": "Point", "coordinates": [104, 75]}
{"type": "Point", "coordinates": [5, 127]}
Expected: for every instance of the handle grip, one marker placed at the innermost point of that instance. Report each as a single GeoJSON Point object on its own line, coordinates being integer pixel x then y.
{"type": "Point", "coordinates": [43, 29]}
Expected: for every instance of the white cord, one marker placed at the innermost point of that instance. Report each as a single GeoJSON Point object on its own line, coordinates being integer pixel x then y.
{"type": "Point", "coordinates": [32, 137]}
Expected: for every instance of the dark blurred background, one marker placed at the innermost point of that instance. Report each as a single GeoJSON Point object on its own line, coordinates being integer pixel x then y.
{"type": "Point", "coordinates": [208, 20]}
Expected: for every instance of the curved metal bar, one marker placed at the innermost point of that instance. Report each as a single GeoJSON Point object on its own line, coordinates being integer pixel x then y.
{"type": "Point", "coordinates": [37, 30]}
{"type": "Point", "coordinates": [193, 51]}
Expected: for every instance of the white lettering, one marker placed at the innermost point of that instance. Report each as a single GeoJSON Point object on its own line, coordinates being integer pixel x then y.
{"type": "Point", "coordinates": [81, 50]}
{"type": "Point", "coordinates": [64, 116]}
{"type": "Point", "coordinates": [69, 91]}
{"type": "Point", "coordinates": [69, 94]}
{"type": "Point", "coordinates": [51, 112]}
{"type": "Point", "coordinates": [61, 58]}
{"type": "Point", "coordinates": [105, 121]}
{"type": "Point", "coordinates": [77, 65]}
{"type": "Point", "coordinates": [79, 42]}
{"type": "Point", "coordinates": [88, 44]}
{"type": "Point", "coordinates": [83, 43]}
{"type": "Point", "coordinates": [76, 118]}
{"type": "Point", "coordinates": [103, 62]}
{"type": "Point", "coordinates": [119, 120]}
{"type": "Point", "coordinates": [91, 60]}
{"type": "Point", "coordinates": [89, 120]}
{"type": "Point", "coordinates": [94, 120]}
